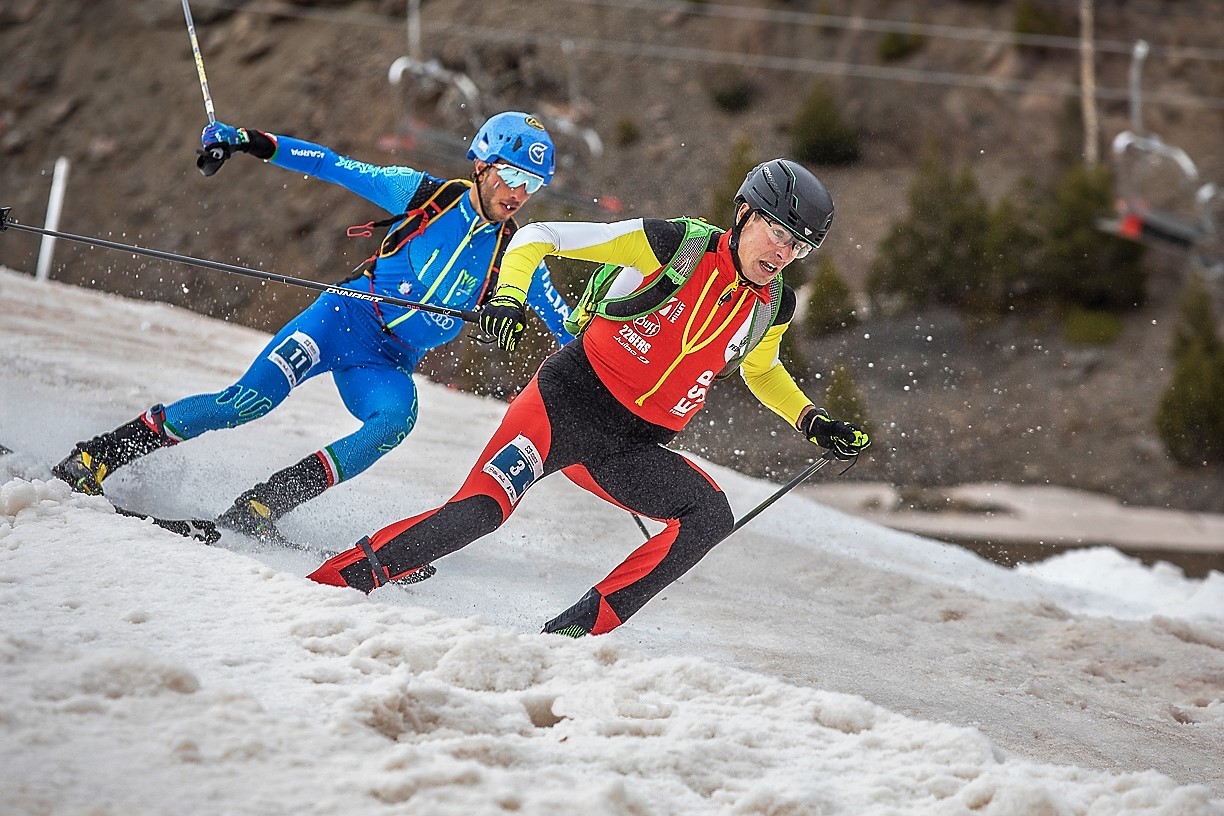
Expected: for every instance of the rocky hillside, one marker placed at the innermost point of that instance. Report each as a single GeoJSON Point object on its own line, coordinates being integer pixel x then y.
{"type": "Point", "coordinates": [111, 85]}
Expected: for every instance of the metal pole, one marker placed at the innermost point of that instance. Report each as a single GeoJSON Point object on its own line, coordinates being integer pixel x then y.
{"type": "Point", "coordinates": [1138, 55]}
{"type": "Point", "coordinates": [414, 29]}
{"type": "Point", "coordinates": [59, 181]}
{"type": "Point", "coordinates": [1088, 83]}
{"type": "Point", "coordinates": [199, 61]}
{"type": "Point", "coordinates": [463, 314]}
{"type": "Point", "coordinates": [788, 487]}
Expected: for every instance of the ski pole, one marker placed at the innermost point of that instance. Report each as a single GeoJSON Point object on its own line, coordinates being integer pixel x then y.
{"type": "Point", "coordinates": [216, 155]}
{"type": "Point", "coordinates": [788, 487]}
{"type": "Point", "coordinates": [825, 459]}
{"type": "Point", "coordinates": [466, 315]}
{"type": "Point", "coordinates": [199, 61]}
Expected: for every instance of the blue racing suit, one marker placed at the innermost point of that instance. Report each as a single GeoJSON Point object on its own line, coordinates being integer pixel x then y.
{"type": "Point", "coordinates": [371, 350]}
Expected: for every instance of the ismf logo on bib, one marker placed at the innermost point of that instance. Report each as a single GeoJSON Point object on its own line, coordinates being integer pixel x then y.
{"type": "Point", "coordinates": [295, 356]}
{"type": "Point", "coordinates": [516, 466]}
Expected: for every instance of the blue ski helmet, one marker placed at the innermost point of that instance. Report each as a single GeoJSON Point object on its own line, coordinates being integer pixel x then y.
{"type": "Point", "coordinates": [517, 138]}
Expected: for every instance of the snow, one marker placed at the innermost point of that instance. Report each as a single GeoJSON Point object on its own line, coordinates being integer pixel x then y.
{"type": "Point", "coordinates": [812, 664]}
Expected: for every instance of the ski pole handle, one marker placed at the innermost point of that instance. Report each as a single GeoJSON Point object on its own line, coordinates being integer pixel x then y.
{"type": "Point", "coordinates": [210, 160]}
{"type": "Point", "coordinates": [213, 156]}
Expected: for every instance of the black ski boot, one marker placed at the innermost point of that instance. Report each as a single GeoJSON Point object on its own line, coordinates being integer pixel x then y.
{"type": "Point", "coordinates": [578, 620]}
{"type": "Point", "coordinates": [252, 518]}
{"type": "Point", "coordinates": [256, 511]}
{"type": "Point", "coordinates": [92, 461]}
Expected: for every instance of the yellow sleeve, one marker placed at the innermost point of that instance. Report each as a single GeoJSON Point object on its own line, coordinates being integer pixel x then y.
{"type": "Point", "coordinates": [769, 381]}
{"type": "Point", "coordinates": [622, 243]}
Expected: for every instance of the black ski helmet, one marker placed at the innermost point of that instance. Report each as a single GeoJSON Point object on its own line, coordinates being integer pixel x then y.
{"type": "Point", "coordinates": [788, 193]}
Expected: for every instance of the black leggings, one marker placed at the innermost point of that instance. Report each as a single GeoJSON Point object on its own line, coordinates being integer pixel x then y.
{"type": "Point", "coordinates": [566, 419]}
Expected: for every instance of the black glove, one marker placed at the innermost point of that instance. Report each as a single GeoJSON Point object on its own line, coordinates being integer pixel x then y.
{"type": "Point", "coordinates": [845, 439]}
{"type": "Point", "coordinates": [220, 141]}
{"type": "Point", "coordinates": [209, 161]}
{"type": "Point", "coordinates": [504, 318]}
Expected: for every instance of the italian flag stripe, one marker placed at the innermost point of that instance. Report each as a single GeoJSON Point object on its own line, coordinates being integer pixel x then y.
{"type": "Point", "coordinates": [172, 433]}
{"type": "Point", "coordinates": [332, 465]}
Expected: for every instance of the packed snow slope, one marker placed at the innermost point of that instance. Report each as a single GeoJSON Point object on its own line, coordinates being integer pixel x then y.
{"type": "Point", "coordinates": [811, 664]}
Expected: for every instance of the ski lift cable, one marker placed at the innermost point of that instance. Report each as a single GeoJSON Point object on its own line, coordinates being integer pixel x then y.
{"type": "Point", "coordinates": [798, 64]}
{"type": "Point", "coordinates": [1160, 9]}
{"type": "Point", "coordinates": [818, 20]}
{"type": "Point", "coordinates": [829, 67]}
{"type": "Point", "coordinates": [766, 15]}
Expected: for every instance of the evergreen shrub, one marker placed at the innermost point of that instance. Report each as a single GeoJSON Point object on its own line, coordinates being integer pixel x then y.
{"type": "Point", "coordinates": [1190, 416]}
{"type": "Point", "coordinates": [830, 306]}
{"type": "Point", "coordinates": [843, 399]}
{"type": "Point", "coordinates": [1091, 327]}
{"type": "Point", "coordinates": [722, 197]}
{"type": "Point", "coordinates": [1079, 263]}
{"type": "Point", "coordinates": [896, 45]}
{"type": "Point", "coordinates": [819, 135]}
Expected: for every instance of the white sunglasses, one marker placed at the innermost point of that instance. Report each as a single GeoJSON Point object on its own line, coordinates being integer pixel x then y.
{"type": "Point", "coordinates": [517, 177]}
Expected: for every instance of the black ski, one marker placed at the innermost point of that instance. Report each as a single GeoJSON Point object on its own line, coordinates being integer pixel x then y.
{"type": "Point", "coordinates": [209, 532]}
{"type": "Point", "coordinates": [198, 529]}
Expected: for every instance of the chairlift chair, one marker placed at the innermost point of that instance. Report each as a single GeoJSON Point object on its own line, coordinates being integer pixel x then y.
{"type": "Point", "coordinates": [1161, 200]}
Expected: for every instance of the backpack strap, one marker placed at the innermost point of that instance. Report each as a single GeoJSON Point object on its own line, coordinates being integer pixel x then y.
{"type": "Point", "coordinates": [700, 237]}
{"type": "Point", "coordinates": [508, 228]}
{"type": "Point", "coordinates": [762, 318]}
{"type": "Point", "coordinates": [408, 225]}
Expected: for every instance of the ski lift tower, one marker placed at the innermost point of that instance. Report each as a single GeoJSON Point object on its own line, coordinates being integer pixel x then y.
{"type": "Point", "coordinates": [456, 102]}
{"type": "Point", "coordinates": [460, 108]}
{"type": "Point", "coordinates": [1161, 199]}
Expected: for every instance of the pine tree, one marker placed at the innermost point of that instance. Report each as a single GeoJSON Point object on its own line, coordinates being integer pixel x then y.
{"type": "Point", "coordinates": [843, 400]}
{"type": "Point", "coordinates": [1080, 264]}
{"type": "Point", "coordinates": [938, 253]}
{"type": "Point", "coordinates": [830, 306]}
{"type": "Point", "coordinates": [722, 198]}
{"type": "Point", "coordinates": [1190, 418]}
{"type": "Point", "coordinates": [819, 135]}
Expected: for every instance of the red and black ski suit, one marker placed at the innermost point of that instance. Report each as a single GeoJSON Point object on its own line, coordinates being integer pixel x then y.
{"type": "Point", "coordinates": [601, 409]}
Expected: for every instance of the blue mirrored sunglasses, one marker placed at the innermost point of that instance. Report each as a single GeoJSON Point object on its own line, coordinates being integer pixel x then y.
{"type": "Point", "coordinates": [517, 177]}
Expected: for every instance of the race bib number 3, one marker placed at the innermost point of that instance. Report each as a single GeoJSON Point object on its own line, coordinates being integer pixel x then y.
{"type": "Point", "coordinates": [515, 467]}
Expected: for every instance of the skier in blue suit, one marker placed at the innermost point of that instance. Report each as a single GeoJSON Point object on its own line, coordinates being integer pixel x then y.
{"type": "Point", "coordinates": [443, 247]}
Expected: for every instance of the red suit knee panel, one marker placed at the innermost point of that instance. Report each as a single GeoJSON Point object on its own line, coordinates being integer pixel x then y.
{"type": "Point", "coordinates": [607, 620]}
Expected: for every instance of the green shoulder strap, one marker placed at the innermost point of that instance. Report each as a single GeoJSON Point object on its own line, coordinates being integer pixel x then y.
{"type": "Point", "coordinates": [762, 318]}
{"type": "Point", "coordinates": [698, 235]}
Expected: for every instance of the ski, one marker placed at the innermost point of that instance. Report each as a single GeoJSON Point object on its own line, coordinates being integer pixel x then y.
{"type": "Point", "coordinates": [198, 529]}
{"type": "Point", "coordinates": [209, 532]}
{"type": "Point", "coordinates": [415, 577]}
{"type": "Point", "coordinates": [256, 526]}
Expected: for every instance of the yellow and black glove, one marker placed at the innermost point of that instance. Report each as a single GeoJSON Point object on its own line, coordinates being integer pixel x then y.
{"type": "Point", "coordinates": [845, 439]}
{"type": "Point", "coordinates": [504, 317]}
